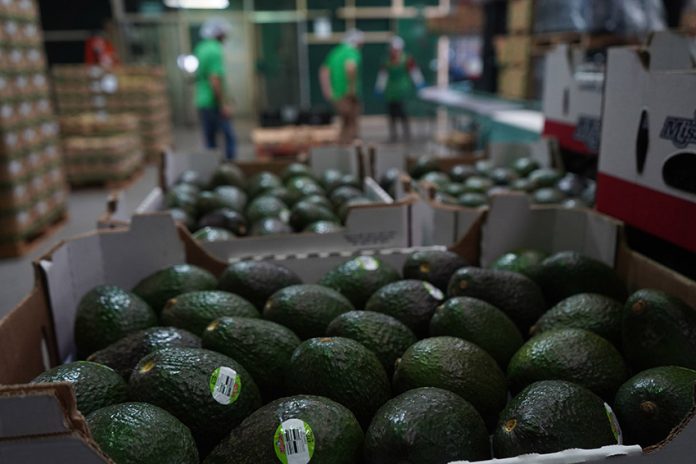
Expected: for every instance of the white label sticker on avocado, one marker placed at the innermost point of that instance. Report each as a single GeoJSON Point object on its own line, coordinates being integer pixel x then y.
{"type": "Point", "coordinates": [615, 427]}
{"type": "Point", "coordinates": [367, 263]}
{"type": "Point", "coordinates": [294, 442]}
{"type": "Point", "coordinates": [434, 291]}
{"type": "Point", "coordinates": [225, 385]}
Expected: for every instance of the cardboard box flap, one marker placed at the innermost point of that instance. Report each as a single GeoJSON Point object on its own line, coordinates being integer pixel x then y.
{"type": "Point", "coordinates": [176, 163]}
{"type": "Point", "coordinates": [669, 51]}
{"type": "Point", "coordinates": [618, 454]}
{"type": "Point", "coordinates": [440, 224]}
{"type": "Point", "coordinates": [544, 151]}
{"type": "Point", "coordinates": [59, 449]}
{"type": "Point", "coordinates": [334, 157]}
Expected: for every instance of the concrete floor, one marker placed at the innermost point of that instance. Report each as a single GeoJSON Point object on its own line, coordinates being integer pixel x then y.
{"type": "Point", "coordinates": [86, 206]}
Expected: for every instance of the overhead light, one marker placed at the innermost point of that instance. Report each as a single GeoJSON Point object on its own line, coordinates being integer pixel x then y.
{"type": "Point", "coordinates": [198, 4]}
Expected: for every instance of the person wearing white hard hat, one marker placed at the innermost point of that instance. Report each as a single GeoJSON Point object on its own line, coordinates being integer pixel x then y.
{"type": "Point", "coordinates": [213, 106]}
{"type": "Point", "coordinates": [395, 83]}
{"type": "Point", "coordinates": [340, 83]}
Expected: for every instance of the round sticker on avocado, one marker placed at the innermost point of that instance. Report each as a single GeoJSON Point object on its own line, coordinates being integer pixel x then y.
{"type": "Point", "coordinates": [367, 263]}
{"type": "Point", "coordinates": [294, 442]}
{"type": "Point", "coordinates": [615, 427]}
{"type": "Point", "coordinates": [434, 291]}
{"type": "Point", "coordinates": [225, 385]}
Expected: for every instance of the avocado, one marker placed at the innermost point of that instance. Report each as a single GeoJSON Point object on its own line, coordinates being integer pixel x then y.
{"type": "Point", "coordinates": [412, 302]}
{"type": "Point", "coordinates": [658, 330]}
{"type": "Point", "coordinates": [389, 179]}
{"type": "Point", "coordinates": [590, 311]}
{"type": "Point", "coordinates": [575, 355]}
{"type": "Point", "coordinates": [382, 334]}
{"type": "Point", "coordinates": [568, 273]}
{"type": "Point", "coordinates": [545, 177]}
{"type": "Point", "coordinates": [345, 209]}
{"type": "Point", "coordinates": [191, 177]}
{"type": "Point", "coordinates": [270, 226]}
{"type": "Point", "coordinates": [331, 179]}
{"type": "Point", "coordinates": [296, 170]}
{"type": "Point", "coordinates": [484, 167]}
{"type": "Point", "coordinates": [455, 365]}
{"type": "Point", "coordinates": [454, 189]}
{"type": "Point", "coordinates": [522, 185]}
{"type": "Point", "coordinates": [525, 166]}
{"type": "Point", "coordinates": [519, 260]}
{"type": "Point", "coordinates": [344, 193]}
{"type": "Point", "coordinates": [207, 391]}
{"type": "Point", "coordinates": [263, 347]}
{"type": "Point", "coordinates": [305, 187]}
{"type": "Point", "coordinates": [351, 180]}
{"type": "Point", "coordinates": [434, 266]}
{"type": "Point", "coordinates": [323, 227]}
{"type": "Point", "coordinates": [262, 182]}
{"type": "Point", "coordinates": [225, 218]}
{"type": "Point", "coordinates": [357, 279]}
{"type": "Point", "coordinates": [161, 286]}
{"type": "Point", "coordinates": [514, 294]}
{"type": "Point", "coordinates": [342, 370]}
{"type": "Point", "coordinates": [437, 178]}
{"type": "Point", "coordinates": [256, 281]}
{"type": "Point", "coordinates": [267, 207]}
{"type": "Point", "coordinates": [284, 195]}
{"type": "Point", "coordinates": [461, 172]}
{"type": "Point", "coordinates": [181, 197]}
{"type": "Point", "coordinates": [223, 197]}
{"type": "Point", "coordinates": [231, 197]}
{"type": "Point", "coordinates": [548, 196]}
{"type": "Point", "coordinates": [193, 311]}
{"type": "Point", "coordinates": [423, 165]}
{"type": "Point", "coordinates": [478, 184]}
{"type": "Point", "coordinates": [480, 323]}
{"type": "Point", "coordinates": [134, 433]}
{"type": "Point", "coordinates": [228, 174]}
{"type": "Point", "coordinates": [503, 176]}
{"type": "Point", "coordinates": [319, 200]}
{"type": "Point", "coordinates": [95, 385]}
{"type": "Point", "coordinates": [552, 416]}
{"type": "Point", "coordinates": [472, 200]}
{"type": "Point", "coordinates": [123, 355]}
{"type": "Point", "coordinates": [106, 314]}
{"type": "Point", "coordinates": [652, 403]}
{"type": "Point", "coordinates": [213, 234]}
{"type": "Point", "coordinates": [328, 433]}
{"type": "Point", "coordinates": [181, 216]}
{"type": "Point", "coordinates": [299, 182]}
{"type": "Point", "coordinates": [426, 426]}
{"type": "Point", "coordinates": [306, 309]}
{"type": "Point", "coordinates": [305, 213]}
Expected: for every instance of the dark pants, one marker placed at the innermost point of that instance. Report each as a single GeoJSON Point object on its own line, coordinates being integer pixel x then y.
{"type": "Point", "coordinates": [397, 111]}
{"type": "Point", "coordinates": [213, 122]}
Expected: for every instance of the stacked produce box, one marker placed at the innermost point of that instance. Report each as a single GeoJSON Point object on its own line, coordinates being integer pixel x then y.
{"type": "Point", "coordinates": [100, 148]}
{"type": "Point", "coordinates": [140, 90]}
{"type": "Point", "coordinates": [32, 184]}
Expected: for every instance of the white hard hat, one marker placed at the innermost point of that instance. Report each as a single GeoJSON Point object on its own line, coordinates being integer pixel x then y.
{"type": "Point", "coordinates": [354, 37]}
{"type": "Point", "coordinates": [397, 43]}
{"type": "Point", "coordinates": [215, 27]}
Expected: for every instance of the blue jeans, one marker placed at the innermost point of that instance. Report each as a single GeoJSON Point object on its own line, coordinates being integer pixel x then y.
{"type": "Point", "coordinates": [213, 122]}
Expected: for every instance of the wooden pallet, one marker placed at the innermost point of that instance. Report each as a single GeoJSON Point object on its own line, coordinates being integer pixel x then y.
{"type": "Point", "coordinates": [27, 245]}
{"type": "Point", "coordinates": [543, 42]}
{"type": "Point", "coordinates": [120, 184]}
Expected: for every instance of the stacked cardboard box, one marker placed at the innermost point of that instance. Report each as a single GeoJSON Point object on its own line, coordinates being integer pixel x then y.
{"type": "Point", "coordinates": [101, 149]}
{"type": "Point", "coordinates": [32, 183]}
{"type": "Point", "coordinates": [140, 90]}
{"type": "Point", "coordinates": [517, 67]}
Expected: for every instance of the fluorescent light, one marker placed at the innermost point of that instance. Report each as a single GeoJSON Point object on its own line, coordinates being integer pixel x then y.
{"type": "Point", "coordinates": [198, 4]}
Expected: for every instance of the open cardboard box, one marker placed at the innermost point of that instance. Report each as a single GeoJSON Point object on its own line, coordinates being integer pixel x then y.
{"type": "Point", "coordinates": [39, 330]}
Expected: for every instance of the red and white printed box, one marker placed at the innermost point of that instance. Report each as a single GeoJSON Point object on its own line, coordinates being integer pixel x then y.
{"type": "Point", "coordinates": [647, 163]}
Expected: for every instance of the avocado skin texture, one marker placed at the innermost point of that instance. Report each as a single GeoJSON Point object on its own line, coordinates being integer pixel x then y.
{"type": "Point", "coordinates": [267, 207]}
{"type": "Point", "coordinates": [480, 323]}
{"type": "Point", "coordinates": [653, 402]}
{"type": "Point", "coordinates": [568, 273]}
{"type": "Point", "coordinates": [228, 174]}
{"type": "Point", "coordinates": [95, 385]}
{"type": "Point", "coordinates": [193, 311]}
{"type": "Point", "coordinates": [434, 266]}
{"type": "Point", "coordinates": [306, 309]}
{"type": "Point", "coordinates": [658, 330]}
{"type": "Point", "coordinates": [305, 213]}
{"type": "Point", "coordinates": [213, 234]}
{"type": "Point", "coordinates": [158, 288]}
{"type": "Point", "coordinates": [590, 311]}
{"type": "Point", "coordinates": [342, 370]}
{"type": "Point", "coordinates": [263, 347]}
{"type": "Point", "coordinates": [123, 355]}
{"type": "Point", "coordinates": [256, 281]}
{"type": "Point", "coordinates": [270, 226]}
{"type": "Point", "coordinates": [551, 416]}
{"type": "Point", "coordinates": [262, 182]}
{"type": "Point", "coordinates": [323, 227]}
{"type": "Point", "coordinates": [458, 366]}
{"type": "Point", "coordinates": [575, 355]}
{"type": "Point", "coordinates": [427, 426]}
{"type": "Point", "coordinates": [382, 334]}
{"type": "Point", "coordinates": [412, 302]}
{"type": "Point", "coordinates": [134, 433]}
{"type": "Point", "coordinates": [519, 260]}
{"type": "Point", "coordinates": [358, 278]}
{"type": "Point", "coordinates": [106, 314]}
{"type": "Point", "coordinates": [337, 434]}
{"type": "Point", "coordinates": [514, 294]}
{"type": "Point", "coordinates": [178, 380]}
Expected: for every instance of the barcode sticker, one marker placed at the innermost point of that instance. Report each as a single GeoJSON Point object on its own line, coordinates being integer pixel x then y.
{"type": "Point", "coordinates": [614, 423]}
{"type": "Point", "coordinates": [294, 442]}
{"type": "Point", "coordinates": [225, 385]}
{"type": "Point", "coordinates": [367, 263]}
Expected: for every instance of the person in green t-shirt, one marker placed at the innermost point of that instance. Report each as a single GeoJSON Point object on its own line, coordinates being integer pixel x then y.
{"type": "Point", "coordinates": [340, 83]}
{"type": "Point", "coordinates": [395, 81]}
{"type": "Point", "coordinates": [213, 108]}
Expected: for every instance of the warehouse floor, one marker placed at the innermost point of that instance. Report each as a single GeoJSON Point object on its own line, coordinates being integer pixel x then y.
{"type": "Point", "coordinates": [86, 206]}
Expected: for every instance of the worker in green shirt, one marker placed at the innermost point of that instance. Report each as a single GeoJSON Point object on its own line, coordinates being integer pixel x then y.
{"type": "Point", "coordinates": [213, 107]}
{"type": "Point", "coordinates": [340, 83]}
{"type": "Point", "coordinates": [395, 81]}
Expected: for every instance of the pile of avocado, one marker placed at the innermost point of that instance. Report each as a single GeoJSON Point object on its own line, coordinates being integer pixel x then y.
{"type": "Point", "coordinates": [229, 205]}
{"type": "Point", "coordinates": [472, 185]}
{"type": "Point", "coordinates": [435, 362]}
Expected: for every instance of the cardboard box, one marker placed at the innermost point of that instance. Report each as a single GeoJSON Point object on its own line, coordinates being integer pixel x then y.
{"type": "Point", "coordinates": [513, 49]}
{"type": "Point", "coordinates": [516, 82]}
{"type": "Point", "coordinates": [520, 16]}
{"type": "Point", "coordinates": [647, 165]}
